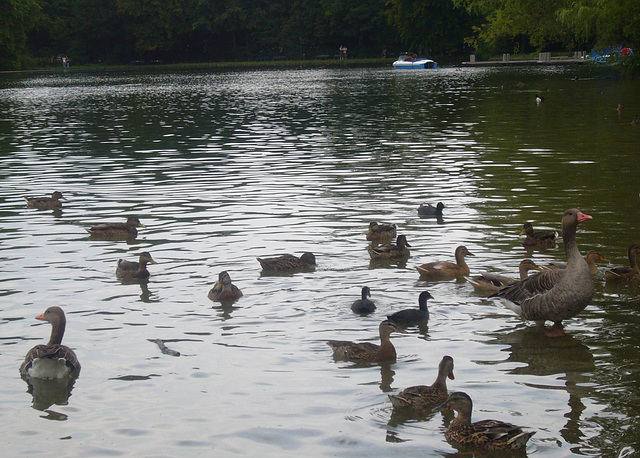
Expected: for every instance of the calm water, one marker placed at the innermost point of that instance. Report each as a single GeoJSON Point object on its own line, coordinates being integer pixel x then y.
{"type": "Point", "coordinates": [223, 167]}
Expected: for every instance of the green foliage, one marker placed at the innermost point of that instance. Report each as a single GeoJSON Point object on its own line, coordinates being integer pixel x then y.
{"type": "Point", "coordinates": [17, 18]}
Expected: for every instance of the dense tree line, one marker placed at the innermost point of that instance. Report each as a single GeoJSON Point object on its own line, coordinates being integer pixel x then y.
{"type": "Point", "coordinates": [36, 32]}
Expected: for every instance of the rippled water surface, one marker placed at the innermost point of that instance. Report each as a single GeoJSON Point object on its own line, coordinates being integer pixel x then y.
{"type": "Point", "coordinates": [223, 167]}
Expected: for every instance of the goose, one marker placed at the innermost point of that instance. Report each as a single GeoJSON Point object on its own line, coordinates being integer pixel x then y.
{"type": "Point", "coordinates": [53, 360]}
{"type": "Point", "coordinates": [381, 231]}
{"type": "Point", "coordinates": [287, 262]}
{"type": "Point", "coordinates": [364, 304]}
{"type": "Point", "coordinates": [423, 397]}
{"type": "Point", "coordinates": [491, 435]}
{"type": "Point", "coordinates": [555, 295]}
{"type": "Point", "coordinates": [490, 282]}
{"type": "Point", "coordinates": [132, 269]}
{"type": "Point", "coordinates": [367, 351]}
{"type": "Point", "coordinates": [116, 230]}
{"type": "Point", "coordinates": [410, 317]}
{"type": "Point", "coordinates": [224, 290]}
{"type": "Point", "coordinates": [46, 203]}
{"type": "Point", "coordinates": [445, 270]}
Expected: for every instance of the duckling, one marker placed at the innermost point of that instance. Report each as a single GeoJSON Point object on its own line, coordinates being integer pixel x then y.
{"type": "Point", "coordinates": [53, 360]}
{"type": "Point", "coordinates": [46, 203]}
{"type": "Point", "coordinates": [381, 231]}
{"type": "Point", "coordinates": [630, 272]}
{"type": "Point", "coordinates": [287, 262]}
{"type": "Point", "coordinates": [444, 270]}
{"type": "Point", "coordinates": [366, 351]}
{"type": "Point", "coordinates": [488, 282]}
{"type": "Point", "coordinates": [410, 317]}
{"type": "Point", "coordinates": [486, 434]}
{"type": "Point", "coordinates": [540, 238]}
{"type": "Point", "coordinates": [364, 305]}
{"type": "Point", "coordinates": [396, 250]}
{"type": "Point", "coordinates": [138, 270]}
{"type": "Point", "coordinates": [224, 290]}
{"type": "Point", "coordinates": [423, 397]}
{"type": "Point", "coordinates": [430, 210]}
{"type": "Point", "coordinates": [116, 230]}
{"type": "Point", "coordinates": [592, 257]}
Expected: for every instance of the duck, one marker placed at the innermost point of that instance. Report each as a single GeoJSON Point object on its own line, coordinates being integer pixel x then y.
{"type": "Point", "coordinates": [490, 282]}
{"type": "Point", "coordinates": [630, 272]}
{"type": "Point", "coordinates": [592, 258]}
{"type": "Point", "coordinates": [555, 295]}
{"type": "Point", "coordinates": [396, 250]}
{"type": "Point", "coordinates": [116, 230]}
{"type": "Point", "coordinates": [411, 317]}
{"type": "Point", "coordinates": [444, 270]}
{"type": "Point", "coordinates": [539, 98]}
{"type": "Point", "coordinates": [493, 435]}
{"type": "Point", "coordinates": [367, 351]}
{"type": "Point", "coordinates": [381, 231]}
{"type": "Point", "coordinates": [53, 360]}
{"type": "Point", "coordinates": [46, 203]}
{"type": "Point", "coordinates": [364, 304]}
{"type": "Point", "coordinates": [430, 210]}
{"type": "Point", "coordinates": [425, 398]}
{"type": "Point", "coordinates": [132, 269]}
{"type": "Point", "coordinates": [541, 239]}
{"type": "Point", "coordinates": [224, 290]}
{"type": "Point", "coordinates": [287, 262]}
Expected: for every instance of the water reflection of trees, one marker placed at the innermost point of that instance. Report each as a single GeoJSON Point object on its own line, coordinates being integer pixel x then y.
{"type": "Point", "coordinates": [543, 356]}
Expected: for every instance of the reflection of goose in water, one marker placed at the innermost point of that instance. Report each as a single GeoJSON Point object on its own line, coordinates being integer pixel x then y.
{"type": "Point", "coordinates": [566, 357]}
{"type": "Point", "coordinates": [47, 392]}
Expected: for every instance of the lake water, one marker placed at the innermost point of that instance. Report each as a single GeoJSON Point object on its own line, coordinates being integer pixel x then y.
{"type": "Point", "coordinates": [226, 166]}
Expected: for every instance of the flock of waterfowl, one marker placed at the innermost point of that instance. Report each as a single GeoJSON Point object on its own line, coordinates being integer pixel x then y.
{"type": "Point", "coordinates": [554, 293]}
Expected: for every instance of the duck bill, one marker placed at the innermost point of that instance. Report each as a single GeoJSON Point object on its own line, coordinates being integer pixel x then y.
{"type": "Point", "coordinates": [451, 376]}
{"type": "Point", "coordinates": [582, 217]}
{"type": "Point", "coordinates": [151, 261]}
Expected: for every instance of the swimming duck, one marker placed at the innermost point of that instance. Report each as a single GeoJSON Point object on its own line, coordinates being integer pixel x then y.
{"type": "Point", "coordinates": [430, 210]}
{"type": "Point", "coordinates": [592, 258]}
{"type": "Point", "coordinates": [630, 272]}
{"type": "Point", "coordinates": [444, 270]}
{"type": "Point", "coordinates": [396, 250]}
{"type": "Point", "coordinates": [490, 282]}
{"type": "Point", "coordinates": [287, 262]}
{"type": "Point", "coordinates": [541, 239]}
{"type": "Point", "coordinates": [485, 434]}
{"type": "Point", "coordinates": [46, 203]}
{"type": "Point", "coordinates": [381, 231]}
{"type": "Point", "coordinates": [53, 360]}
{"type": "Point", "coordinates": [410, 317]}
{"type": "Point", "coordinates": [539, 98]}
{"type": "Point", "coordinates": [367, 351]}
{"type": "Point", "coordinates": [132, 269]}
{"type": "Point", "coordinates": [364, 305]}
{"type": "Point", "coordinates": [116, 230]}
{"type": "Point", "coordinates": [555, 295]}
{"type": "Point", "coordinates": [423, 397]}
{"type": "Point", "coordinates": [224, 290]}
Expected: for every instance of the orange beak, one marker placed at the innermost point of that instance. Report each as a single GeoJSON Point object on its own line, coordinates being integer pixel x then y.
{"type": "Point", "coordinates": [40, 317]}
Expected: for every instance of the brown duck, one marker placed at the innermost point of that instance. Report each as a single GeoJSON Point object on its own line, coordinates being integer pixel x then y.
{"type": "Point", "coordinates": [132, 269]}
{"type": "Point", "coordinates": [542, 239]}
{"type": "Point", "coordinates": [287, 262]}
{"type": "Point", "coordinates": [398, 250]}
{"type": "Point", "coordinates": [53, 360]}
{"type": "Point", "coordinates": [445, 270]}
{"type": "Point", "coordinates": [116, 230]}
{"type": "Point", "coordinates": [224, 290]}
{"type": "Point", "coordinates": [367, 351]}
{"type": "Point", "coordinates": [46, 203]}
{"type": "Point", "coordinates": [378, 231]}
{"type": "Point", "coordinates": [555, 295]}
{"type": "Point", "coordinates": [425, 398]}
{"type": "Point", "coordinates": [491, 435]}
{"type": "Point", "coordinates": [488, 282]}
{"type": "Point", "coordinates": [592, 258]}
{"type": "Point", "coordinates": [630, 272]}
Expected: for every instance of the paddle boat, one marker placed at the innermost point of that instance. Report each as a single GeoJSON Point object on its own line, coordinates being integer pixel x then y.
{"type": "Point", "coordinates": [405, 61]}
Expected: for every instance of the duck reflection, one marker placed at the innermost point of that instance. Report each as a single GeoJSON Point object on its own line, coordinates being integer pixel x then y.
{"type": "Point", "coordinates": [145, 294]}
{"type": "Point", "coordinates": [225, 309]}
{"type": "Point", "coordinates": [47, 392]}
{"type": "Point", "coordinates": [544, 357]}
